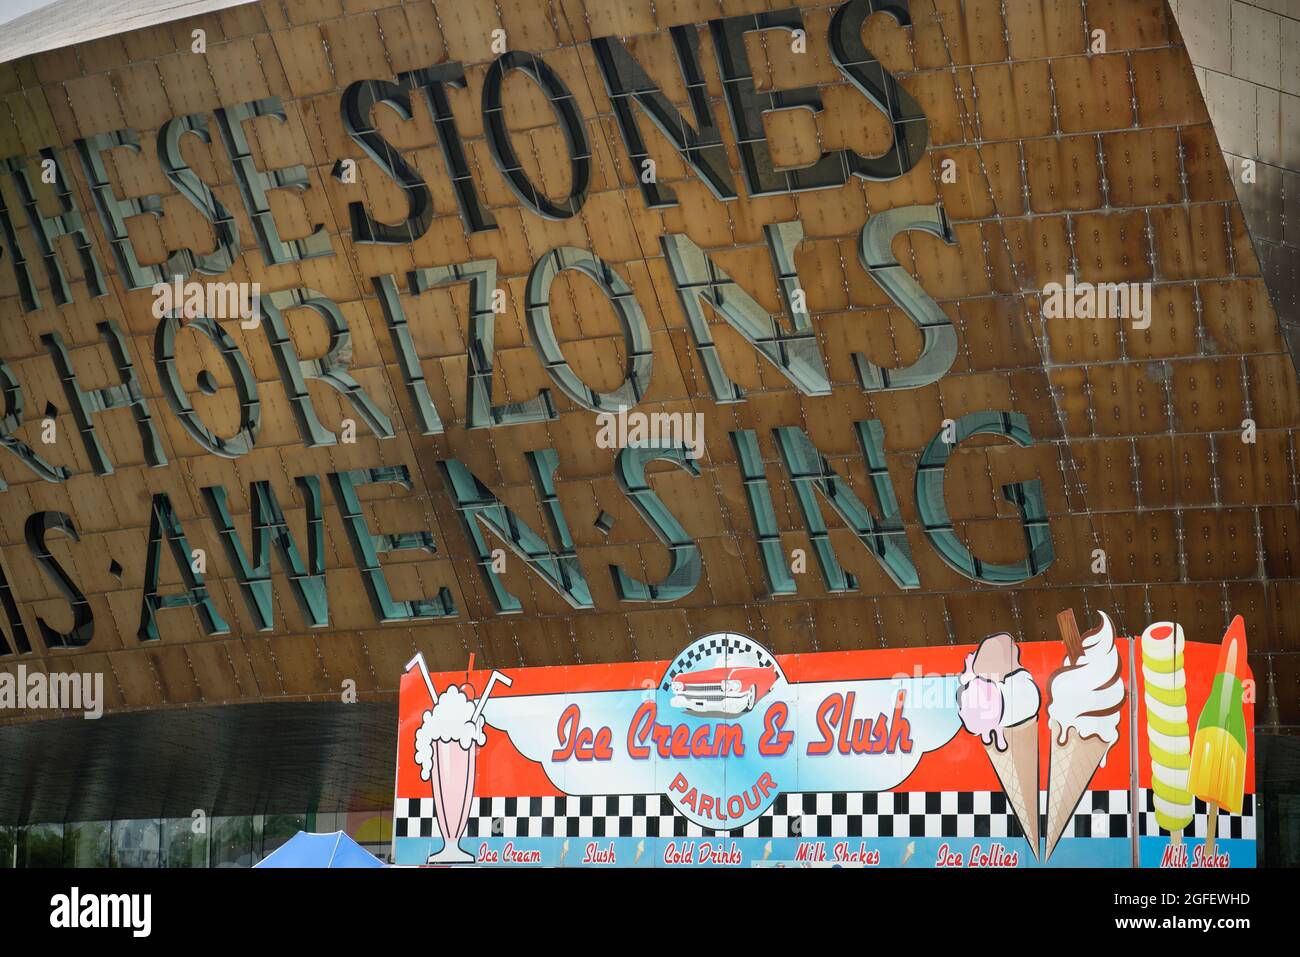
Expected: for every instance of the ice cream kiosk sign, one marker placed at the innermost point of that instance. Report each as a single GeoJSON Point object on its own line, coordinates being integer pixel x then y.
{"type": "Point", "coordinates": [1077, 753]}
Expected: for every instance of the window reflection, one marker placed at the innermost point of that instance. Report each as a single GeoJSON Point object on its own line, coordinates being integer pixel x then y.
{"type": "Point", "coordinates": [196, 841]}
{"type": "Point", "coordinates": [135, 844]}
{"type": "Point", "coordinates": [236, 841]}
{"type": "Point", "coordinates": [281, 827]}
{"type": "Point", "coordinates": [41, 845]}
{"type": "Point", "coordinates": [185, 841]}
{"type": "Point", "coordinates": [86, 844]}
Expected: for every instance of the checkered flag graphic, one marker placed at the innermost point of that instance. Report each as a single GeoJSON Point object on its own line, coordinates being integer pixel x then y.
{"type": "Point", "coordinates": [706, 649]}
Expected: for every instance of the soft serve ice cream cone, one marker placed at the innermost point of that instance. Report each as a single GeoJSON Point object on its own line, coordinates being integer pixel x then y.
{"type": "Point", "coordinates": [998, 702]}
{"type": "Point", "coordinates": [1084, 698]}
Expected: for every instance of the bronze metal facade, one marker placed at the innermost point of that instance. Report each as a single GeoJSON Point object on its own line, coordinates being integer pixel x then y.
{"type": "Point", "coordinates": [1051, 150]}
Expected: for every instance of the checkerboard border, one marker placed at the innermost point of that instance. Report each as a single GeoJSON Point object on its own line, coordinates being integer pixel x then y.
{"type": "Point", "coordinates": [957, 814]}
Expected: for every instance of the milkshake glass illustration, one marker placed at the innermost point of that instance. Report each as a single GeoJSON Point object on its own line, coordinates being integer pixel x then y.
{"type": "Point", "coordinates": [453, 792]}
{"type": "Point", "coordinates": [446, 745]}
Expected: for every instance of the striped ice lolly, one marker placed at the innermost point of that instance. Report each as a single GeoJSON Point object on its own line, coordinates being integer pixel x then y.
{"type": "Point", "coordinates": [1168, 737]}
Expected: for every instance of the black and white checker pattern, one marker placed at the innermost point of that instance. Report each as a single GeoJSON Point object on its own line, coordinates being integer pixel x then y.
{"type": "Point", "coordinates": [1240, 826]}
{"type": "Point", "coordinates": [828, 814]}
{"type": "Point", "coordinates": [1099, 814]}
{"type": "Point", "coordinates": [709, 648]}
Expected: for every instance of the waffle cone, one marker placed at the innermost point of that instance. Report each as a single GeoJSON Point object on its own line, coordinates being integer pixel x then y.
{"type": "Point", "coordinates": [1071, 767]}
{"type": "Point", "coordinates": [1017, 770]}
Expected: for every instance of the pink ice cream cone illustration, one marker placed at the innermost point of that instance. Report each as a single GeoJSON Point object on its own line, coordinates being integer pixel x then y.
{"type": "Point", "coordinates": [998, 702]}
{"type": "Point", "coordinates": [1084, 698]}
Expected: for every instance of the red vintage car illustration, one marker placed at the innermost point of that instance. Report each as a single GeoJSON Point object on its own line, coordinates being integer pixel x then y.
{"type": "Point", "coordinates": [722, 691]}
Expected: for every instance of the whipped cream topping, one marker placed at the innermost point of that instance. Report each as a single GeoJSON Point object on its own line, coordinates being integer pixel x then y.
{"type": "Point", "coordinates": [1087, 692]}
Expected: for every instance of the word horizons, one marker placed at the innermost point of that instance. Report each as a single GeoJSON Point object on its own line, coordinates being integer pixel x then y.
{"type": "Point", "coordinates": [60, 691]}
{"type": "Point", "coordinates": [76, 910]}
{"type": "Point", "coordinates": [1107, 300]}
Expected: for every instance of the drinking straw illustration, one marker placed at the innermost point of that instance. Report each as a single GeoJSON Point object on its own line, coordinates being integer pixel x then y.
{"type": "Point", "coordinates": [1169, 742]}
{"type": "Point", "coordinates": [424, 673]}
{"type": "Point", "coordinates": [1218, 775]}
{"type": "Point", "coordinates": [492, 680]}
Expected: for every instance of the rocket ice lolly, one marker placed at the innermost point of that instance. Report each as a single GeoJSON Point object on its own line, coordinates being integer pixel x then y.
{"type": "Point", "coordinates": [1084, 699]}
{"type": "Point", "coordinates": [1168, 739]}
{"type": "Point", "coordinates": [998, 702]}
{"type": "Point", "coordinates": [1218, 772]}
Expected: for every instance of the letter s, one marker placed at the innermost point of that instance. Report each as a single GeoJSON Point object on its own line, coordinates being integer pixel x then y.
{"type": "Point", "coordinates": [938, 337]}
{"type": "Point", "coordinates": [354, 107]}
{"type": "Point", "coordinates": [38, 525]}
{"type": "Point", "coordinates": [828, 715]}
{"type": "Point", "coordinates": [860, 66]}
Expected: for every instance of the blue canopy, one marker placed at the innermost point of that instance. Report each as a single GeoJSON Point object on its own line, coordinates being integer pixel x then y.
{"type": "Point", "coordinates": [320, 850]}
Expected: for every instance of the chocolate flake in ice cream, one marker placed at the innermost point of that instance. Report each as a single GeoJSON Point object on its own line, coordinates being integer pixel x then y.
{"type": "Point", "coordinates": [1087, 692]}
